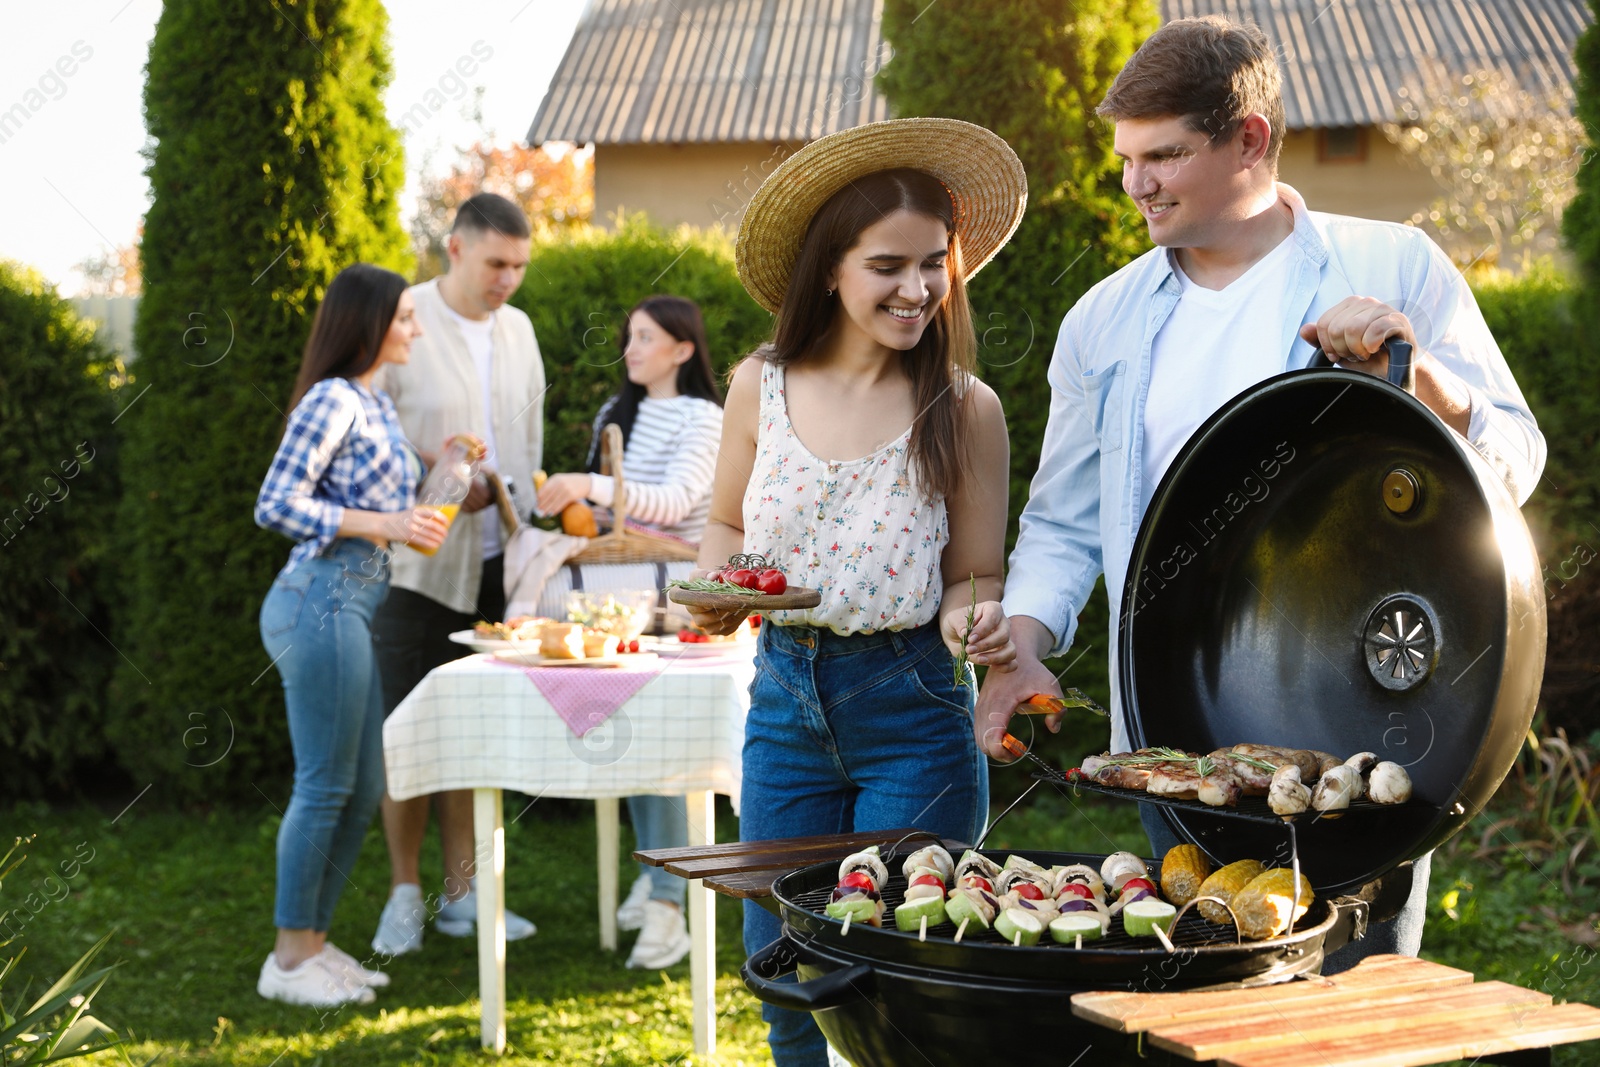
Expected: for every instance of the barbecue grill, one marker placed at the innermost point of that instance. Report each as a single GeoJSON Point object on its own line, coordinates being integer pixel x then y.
{"type": "Point", "coordinates": [1378, 591]}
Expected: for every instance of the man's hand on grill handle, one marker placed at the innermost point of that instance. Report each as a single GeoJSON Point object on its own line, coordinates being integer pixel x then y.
{"type": "Point", "coordinates": [1003, 691]}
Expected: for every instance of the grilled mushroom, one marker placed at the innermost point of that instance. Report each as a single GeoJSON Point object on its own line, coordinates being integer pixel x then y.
{"type": "Point", "coordinates": [929, 856]}
{"type": "Point", "coordinates": [1336, 789]}
{"type": "Point", "coordinates": [1363, 762]}
{"type": "Point", "coordinates": [1389, 784]}
{"type": "Point", "coordinates": [1120, 866]}
{"type": "Point", "coordinates": [1288, 795]}
{"type": "Point", "coordinates": [868, 861]}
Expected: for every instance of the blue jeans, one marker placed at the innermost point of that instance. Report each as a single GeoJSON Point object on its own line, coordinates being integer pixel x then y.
{"type": "Point", "coordinates": [1401, 935]}
{"type": "Point", "coordinates": [866, 732]}
{"type": "Point", "coordinates": [316, 624]}
{"type": "Point", "coordinates": [661, 822]}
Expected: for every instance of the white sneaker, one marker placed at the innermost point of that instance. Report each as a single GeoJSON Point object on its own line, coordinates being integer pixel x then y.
{"type": "Point", "coordinates": [631, 915]}
{"type": "Point", "coordinates": [314, 983]}
{"type": "Point", "coordinates": [459, 918]}
{"type": "Point", "coordinates": [664, 939]}
{"type": "Point", "coordinates": [352, 968]}
{"type": "Point", "coordinates": [400, 925]}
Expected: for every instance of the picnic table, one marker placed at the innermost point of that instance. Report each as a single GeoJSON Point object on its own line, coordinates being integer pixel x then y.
{"type": "Point", "coordinates": [672, 726]}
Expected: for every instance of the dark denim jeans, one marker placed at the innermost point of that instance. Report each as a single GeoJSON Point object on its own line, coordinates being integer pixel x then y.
{"type": "Point", "coordinates": [853, 733]}
{"type": "Point", "coordinates": [316, 624]}
{"type": "Point", "coordinates": [1401, 935]}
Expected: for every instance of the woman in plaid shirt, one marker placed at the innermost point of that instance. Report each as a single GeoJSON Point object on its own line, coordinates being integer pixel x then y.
{"type": "Point", "coordinates": [342, 486]}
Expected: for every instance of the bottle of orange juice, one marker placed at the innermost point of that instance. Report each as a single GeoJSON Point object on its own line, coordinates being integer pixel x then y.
{"type": "Point", "coordinates": [447, 483]}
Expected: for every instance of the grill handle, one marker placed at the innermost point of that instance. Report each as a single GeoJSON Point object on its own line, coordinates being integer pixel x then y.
{"type": "Point", "coordinates": [762, 971]}
{"type": "Point", "coordinates": [1402, 375]}
{"type": "Point", "coordinates": [1349, 924]}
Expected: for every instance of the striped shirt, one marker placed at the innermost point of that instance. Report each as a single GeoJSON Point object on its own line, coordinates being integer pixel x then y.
{"type": "Point", "coordinates": [667, 464]}
{"type": "Point", "coordinates": [343, 449]}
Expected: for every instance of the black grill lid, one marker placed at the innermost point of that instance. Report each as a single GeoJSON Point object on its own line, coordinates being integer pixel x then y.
{"type": "Point", "coordinates": [1326, 565]}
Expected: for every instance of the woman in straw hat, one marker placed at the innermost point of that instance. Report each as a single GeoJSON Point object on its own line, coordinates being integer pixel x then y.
{"type": "Point", "coordinates": [862, 457]}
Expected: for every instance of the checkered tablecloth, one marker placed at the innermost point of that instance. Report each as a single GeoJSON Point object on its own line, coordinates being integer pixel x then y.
{"type": "Point", "coordinates": [474, 724]}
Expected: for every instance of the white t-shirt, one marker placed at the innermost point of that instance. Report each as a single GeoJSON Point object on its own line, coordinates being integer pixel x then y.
{"type": "Point", "coordinates": [1214, 345]}
{"type": "Point", "coordinates": [479, 335]}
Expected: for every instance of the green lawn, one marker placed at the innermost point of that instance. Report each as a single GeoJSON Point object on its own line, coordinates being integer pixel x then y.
{"type": "Point", "coordinates": [191, 898]}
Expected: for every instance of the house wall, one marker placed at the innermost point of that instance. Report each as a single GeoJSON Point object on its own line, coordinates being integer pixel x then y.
{"type": "Point", "coordinates": [703, 184]}
{"type": "Point", "coordinates": [1381, 186]}
{"type": "Point", "coordinates": [698, 184]}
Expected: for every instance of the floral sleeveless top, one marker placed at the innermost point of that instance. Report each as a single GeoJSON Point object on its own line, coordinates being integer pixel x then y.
{"type": "Point", "coordinates": [859, 531]}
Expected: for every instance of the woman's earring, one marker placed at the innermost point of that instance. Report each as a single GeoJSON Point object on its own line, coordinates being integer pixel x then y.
{"type": "Point", "coordinates": [827, 292]}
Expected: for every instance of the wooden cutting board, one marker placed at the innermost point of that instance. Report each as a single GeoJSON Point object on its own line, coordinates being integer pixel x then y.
{"type": "Point", "coordinates": [1389, 1011]}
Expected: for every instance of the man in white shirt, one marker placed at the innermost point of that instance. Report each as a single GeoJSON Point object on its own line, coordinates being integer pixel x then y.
{"type": "Point", "coordinates": [475, 369]}
{"type": "Point", "coordinates": [1243, 283]}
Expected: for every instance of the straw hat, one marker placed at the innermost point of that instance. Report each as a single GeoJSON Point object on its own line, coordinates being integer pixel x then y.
{"type": "Point", "coordinates": [980, 171]}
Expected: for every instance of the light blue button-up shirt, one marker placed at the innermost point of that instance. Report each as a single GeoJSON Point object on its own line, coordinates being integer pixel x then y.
{"type": "Point", "coordinates": [1087, 499]}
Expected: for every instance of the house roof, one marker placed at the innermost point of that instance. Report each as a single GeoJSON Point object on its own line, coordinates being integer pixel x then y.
{"type": "Point", "coordinates": [1344, 60]}
{"type": "Point", "coordinates": [716, 71]}
{"type": "Point", "coordinates": [688, 71]}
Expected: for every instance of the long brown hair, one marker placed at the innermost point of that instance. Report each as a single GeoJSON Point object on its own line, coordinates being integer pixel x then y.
{"type": "Point", "coordinates": [350, 326]}
{"type": "Point", "coordinates": [680, 318]}
{"type": "Point", "coordinates": [943, 358]}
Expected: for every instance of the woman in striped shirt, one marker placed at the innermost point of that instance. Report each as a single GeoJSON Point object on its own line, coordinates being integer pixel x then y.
{"type": "Point", "coordinates": [342, 485]}
{"type": "Point", "coordinates": [670, 413]}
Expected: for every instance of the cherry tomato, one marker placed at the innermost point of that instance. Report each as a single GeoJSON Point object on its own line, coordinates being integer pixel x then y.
{"type": "Point", "coordinates": [771, 581]}
{"type": "Point", "coordinates": [1028, 891]}
{"type": "Point", "coordinates": [633, 646]}
{"type": "Point", "coordinates": [1138, 883]}
{"type": "Point", "coordinates": [927, 879]}
{"type": "Point", "coordinates": [857, 880]}
{"type": "Point", "coordinates": [1076, 889]}
{"type": "Point", "coordinates": [743, 577]}
{"type": "Point", "coordinates": [974, 881]}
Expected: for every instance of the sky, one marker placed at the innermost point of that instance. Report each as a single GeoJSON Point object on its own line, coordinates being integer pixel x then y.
{"type": "Point", "coordinates": [71, 173]}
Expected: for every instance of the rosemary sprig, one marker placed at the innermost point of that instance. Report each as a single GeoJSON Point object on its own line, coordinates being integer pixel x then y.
{"type": "Point", "coordinates": [708, 585]}
{"type": "Point", "coordinates": [972, 611]}
{"type": "Point", "coordinates": [1153, 756]}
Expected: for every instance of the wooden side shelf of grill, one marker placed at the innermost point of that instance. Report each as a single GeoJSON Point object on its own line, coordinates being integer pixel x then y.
{"type": "Point", "coordinates": [745, 870]}
{"type": "Point", "coordinates": [1389, 1011]}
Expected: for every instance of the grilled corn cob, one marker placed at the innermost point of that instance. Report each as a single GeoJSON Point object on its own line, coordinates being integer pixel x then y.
{"type": "Point", "coordinates": [1264, 906]}
{"type": "Point", "coordinates": [1183, 869]}
{"type": "Point", "coordinates": [1223, 884]}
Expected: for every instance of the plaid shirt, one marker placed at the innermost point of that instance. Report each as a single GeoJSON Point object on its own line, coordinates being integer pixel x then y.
{"type": "Point", "coordinates": [343, 449]}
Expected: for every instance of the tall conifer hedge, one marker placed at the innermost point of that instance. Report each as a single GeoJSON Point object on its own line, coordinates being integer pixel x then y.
{"type": "Point", "coordinates": [272, 167]}
{"type": "Point", "coordinates": [1033, 71]}
{"type": "Point", "coordinates": [58, 493]}
{"type": "Point", "coordinates": [1581, 224]}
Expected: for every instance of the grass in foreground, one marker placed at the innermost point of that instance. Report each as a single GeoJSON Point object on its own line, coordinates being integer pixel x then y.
{"type": "Point", "coordinates": [191, 900]}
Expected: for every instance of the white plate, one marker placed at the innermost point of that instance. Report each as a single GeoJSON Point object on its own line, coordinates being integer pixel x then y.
{"type": "Point", "coordinates": [672, 648]}
{"type": "Point", "coordinates": [527, 658]}
{"type": "Point", "coordinates": [471, 639]}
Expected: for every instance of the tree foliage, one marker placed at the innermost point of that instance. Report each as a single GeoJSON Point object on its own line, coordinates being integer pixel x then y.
{"type": "Point", "coordinates": [1504, 157]}
{"type": "Point", "coordinates": [1033, 71]}
{"type": "Point", "coordinates": [112, 271]}
{"type": "Point", "coordinates": [1582, 222]}
{"type": "Point", "coordinates": [554, 189]}
{"type": "Point", "coordinates": [58, 493]}
{"type": "Point", "coordinates": [272, 167]}
{"type": "Point", "coordinates": [579, 287]}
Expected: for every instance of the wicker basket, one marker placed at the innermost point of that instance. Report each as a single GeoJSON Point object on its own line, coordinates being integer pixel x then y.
{"type": "Point", "coordinates": [620, 544]}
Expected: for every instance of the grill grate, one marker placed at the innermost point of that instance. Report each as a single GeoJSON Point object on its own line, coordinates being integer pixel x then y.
{"type": "Point", "coordinates": [1250, 809]}
{"type": "Point", "coordinates": [1193, 932]}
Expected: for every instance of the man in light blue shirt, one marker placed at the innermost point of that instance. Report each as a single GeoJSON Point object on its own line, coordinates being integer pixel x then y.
{"type": "Point", "coordinates": [1244, 283]}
